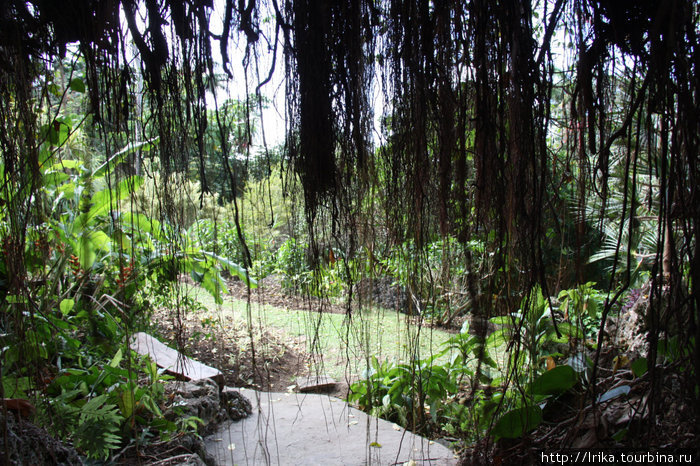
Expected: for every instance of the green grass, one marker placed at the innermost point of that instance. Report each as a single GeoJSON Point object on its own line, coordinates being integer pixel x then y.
{"type": "Point", "coordinates": [340, 347]}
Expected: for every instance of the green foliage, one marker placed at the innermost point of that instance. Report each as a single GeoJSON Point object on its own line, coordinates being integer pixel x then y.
{"type": "Point", "coordinates": [554, 381]}
{"type": "Point", "coordinates": [401, 392]}
{"type": "Point", "coordinates": [639, 367]}
{"type": "Point", "coordinates": [421, 394]}
{"type": "Point", "coordinates": [97, 428]}
{"type": "Point", "coordinates": [177, 200]}
{"type": "Point", "coordinates": [101, 405]}
{"type": "Point", "coordinates": [220, 238]}
{"type": "Point", "coordinates": [583, 303]}
{"type": "Point", "coordinates": [83, 225]}
{"type": "Point", "coordinates": [292, 264]}
{"type": "Point", "coordinates": [533, 327]}
{"type": "Point", "coordinates": [517, 422]}
{"type": "Point", "coordinates": [269, 209]}
{"type": "Point", "coordinates": [435, 276]}
{"type": "Point", "coordinates": [629, 232]}
{"type": "Point", "coordinates": [225, 163]}
{"type": "Point", "coordinates": [94, 261]}
{"type": "Point", "coordinates": [104, 244]}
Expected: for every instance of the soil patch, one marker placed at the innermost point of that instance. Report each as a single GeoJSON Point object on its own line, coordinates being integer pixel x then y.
{"type": "Point", "coordinates": [264, 362]}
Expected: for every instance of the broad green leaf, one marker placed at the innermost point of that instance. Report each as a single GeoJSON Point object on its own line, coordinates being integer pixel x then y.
{"type": "Point", "coordinates": [89, 244]}
{"type": "Point", "coordinates": [77, 85]}
{"type": "Point", "coordinates": [118, 156]}
{"type": "Point", "coordinates": [54, 178]}
{"type": "Point", "coordinates": [496, 339]}
{"type": "Point", "coordinates": [100, 240]}
{"type": "Point", "coordinates": [386, 400]}
{"type": "Point", "coordinates": [142, 223]}
{"type": "Point", "coordinates": [517, 422]}
{"type": "Point", "coordinates": [126, 403]}
{"type": "Point", "coordinates": [501, 320]}
{"type": "Point", "coordinates": [52, 135]}
{"type": "Point", "coordinates": [64, 132]}
{"type": "Point", "coordinates": [60, 323]}
{"type": "Point", "coordinates": [66, 164]}
{"type": "Point", "coordinates": [17, 387]}
{"type": "Point", "coordinates": [117, 359]}
{"type": "Point", "coordinates": [639, 367]}
{"type": "Point", "coordinates": [214, 284]}
{"type": "Point", "coordinates": [66, 306]}
{"type": "Point", "coordinates": [233, 268]}
{"type": "Point", "coordinates": [555, 381]}
{"type": "Point", "coordinates": [592, 307]}
{"type": "Point", "coordinates": [103, 201]}
{"type": "Point", "coordinates": [572, 331]}
{"type": "Point", "coordinates": [69, 189]}
{"type": "Point", "coordinates": [120, 240]}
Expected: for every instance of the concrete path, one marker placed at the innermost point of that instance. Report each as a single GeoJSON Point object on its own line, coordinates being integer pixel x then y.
{"type": "Point", "coordinates": [310, 429]}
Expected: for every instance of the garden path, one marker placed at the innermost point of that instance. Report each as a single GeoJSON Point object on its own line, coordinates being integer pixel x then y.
{"type": "Point", "coordinates": [310, 429]}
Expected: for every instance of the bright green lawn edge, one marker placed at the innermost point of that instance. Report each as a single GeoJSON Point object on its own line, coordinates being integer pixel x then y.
{"type": "Point", "coordinates": [340, 346]}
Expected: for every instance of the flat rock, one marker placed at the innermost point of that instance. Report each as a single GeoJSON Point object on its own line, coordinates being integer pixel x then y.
{"type": "Point", "coordinates": [173, 361]}
{"type": "Point", "coordinates": [309, 429]}
{"type": "Point", "coordinates": [316, 384]}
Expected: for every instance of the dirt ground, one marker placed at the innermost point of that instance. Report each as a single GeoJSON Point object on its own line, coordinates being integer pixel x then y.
{"type": "Point", "coordinates": [272, 363]}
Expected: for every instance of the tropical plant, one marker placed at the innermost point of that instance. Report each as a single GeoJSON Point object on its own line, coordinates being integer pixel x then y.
{"type": "Point", "coordinates": [102, 405]}
{"type": "Point", "coordinates": [292, 264]}
{"type": "Point", "coordinates": [534, 328]}
{"type": "Point", "coordinates": [582, 305]}
{"type": "Point", "coordinates": [421, 394]}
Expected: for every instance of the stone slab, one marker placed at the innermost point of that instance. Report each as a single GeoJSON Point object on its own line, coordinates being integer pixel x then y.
{"type": "Point", "coordinates": [173, 361]}
{"type": "Point", "coordinates": [312, 429]}
{"type": "Point", "coordinates": [316, 384]}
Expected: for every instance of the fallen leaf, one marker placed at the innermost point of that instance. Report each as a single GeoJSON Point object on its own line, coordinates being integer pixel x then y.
{"type": "Point", "coordinates": [550, 363]}
{"type": "Point", "coordinates": [375, 445]}
{"type": "Point", "coordinates": [619, 362]}
{"type": "Point", "coordinates": [22, 407]}
{"type": "Point", "coordinates": [614, 393]}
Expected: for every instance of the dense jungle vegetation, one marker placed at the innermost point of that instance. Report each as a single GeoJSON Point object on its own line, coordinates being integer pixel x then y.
{"type": "Point", "coordinates": [520, 174]}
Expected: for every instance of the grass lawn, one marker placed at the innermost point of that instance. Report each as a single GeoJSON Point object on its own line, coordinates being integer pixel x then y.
{"type": "Point", "coordinates": [340, 347]}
